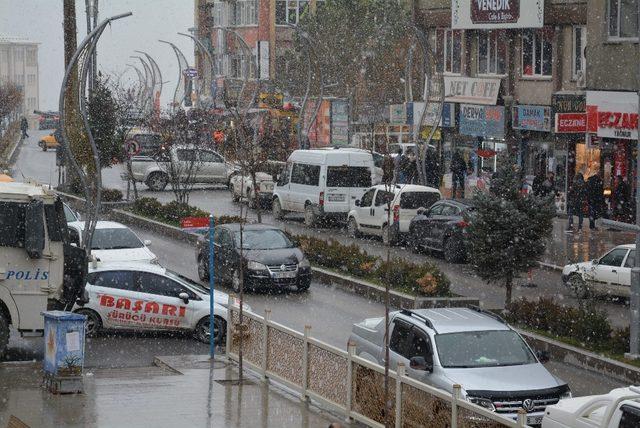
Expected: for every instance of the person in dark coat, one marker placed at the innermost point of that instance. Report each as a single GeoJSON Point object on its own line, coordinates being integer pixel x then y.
{"type": "Point", "coordinates": [24, 126]}
{"type": "Point", "coordinates": [549, 185]}
{"type": "Point", "coordinates": [595, 199]}
{"type": "Point", "coordinates": [432, 167]}
{"type": "Point", "coordinates": [458, 171]}
{"type": "Point", "coordinates": [388, 169]}
{"type": "Point", "coordinates": [575, 199]}
{"type": "Point", "coordinates": [410, 168]}
{"type": "Point", "coordinates": [621, 196]}
{"type": "Point", "coordinates": [537, 184]}
{"type": "Point", "coordinates": [398, 175]}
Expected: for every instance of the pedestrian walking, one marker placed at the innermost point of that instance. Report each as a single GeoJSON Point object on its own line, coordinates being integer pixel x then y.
{"type": "Point", "coordinates": [388, 169]}
{"type": "Point", "coordinates": [397, 167]}
{"type": "Point", "coordinates": [432, 168]}
{"type": "Point", "coordinates": [595, 199]}
{"type": "Point", "coordinates": [24, 126]}
{"type": "Point", "coordinates": [458, 171]}
{"type": "Point", "coordinates": [549, 185]}
{"type": "Point", "coordinates": [575, 201]}
{"type": "Point", "coordinates": [537, 184]}
{"type": "Point", "coordinates": [410, 167]}
{"type": "Point", "coordinates": [621, 197]}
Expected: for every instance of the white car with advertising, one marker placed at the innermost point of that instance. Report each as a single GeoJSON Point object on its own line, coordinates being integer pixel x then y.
{"type": "Point", "coordinates": [146, 297]}
{"type": "Point", "coordinates": [371, 217]}
{"type": "Point", "coordinates": [114, 242]}
{"type": "Point", "coordinates": [607, 275]}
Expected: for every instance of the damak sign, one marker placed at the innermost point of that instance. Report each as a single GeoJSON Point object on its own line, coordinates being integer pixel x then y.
{"type": "Point", "coordinates": [488, 14]}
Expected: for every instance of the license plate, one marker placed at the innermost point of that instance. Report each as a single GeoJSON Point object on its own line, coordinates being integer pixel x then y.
{"type": "Point", "coordinates": [335, 198]}
{"type": "Point", "coordinates": [283, 275]}
{"type": "Point", "coordinates": [534, 420]}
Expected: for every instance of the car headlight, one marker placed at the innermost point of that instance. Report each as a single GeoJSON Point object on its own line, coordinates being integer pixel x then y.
{"type": "Point", "coordinates": [304, 263]}
{"type": "Point", "coordinates": [483, 402]}
{"type": "Point", "coordinates": [252, 265]}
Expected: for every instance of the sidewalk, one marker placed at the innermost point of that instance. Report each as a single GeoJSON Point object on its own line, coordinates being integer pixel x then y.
{"type": "Point", "coordinates": [156, 396]}
{"type": "Point", "coordinates": [564, 248]}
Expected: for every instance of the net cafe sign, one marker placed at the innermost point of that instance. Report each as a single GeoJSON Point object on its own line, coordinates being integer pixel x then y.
{"type": "Point", "coordinates": [472, 14]}
{"type": "Point", "coordinates": [471, 90]}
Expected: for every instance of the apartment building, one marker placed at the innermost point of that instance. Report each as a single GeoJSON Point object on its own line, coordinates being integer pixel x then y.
{"type": "Point", "coordinates": [19, 65]}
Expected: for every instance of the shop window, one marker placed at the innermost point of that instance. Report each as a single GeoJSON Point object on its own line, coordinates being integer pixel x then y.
{"type": "Point", "coordinates": [623, 19]}
{"type": "Point", "coordinates": [579, 44]}
{"type": "Point", "coordinates": [491, 52]}
{"type": "Point", "coordinates": [537, 52]}
{"type": "Point", "coordinates": [449, 45]}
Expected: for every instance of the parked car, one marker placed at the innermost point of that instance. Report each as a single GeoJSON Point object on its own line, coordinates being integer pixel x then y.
{"type": "Point", "coordinates": [620, 408]}
{"type": "Point", "coordinates": [270, 259]}
{"type": "Point", "coordinates": [322, 183]}
{"type": "Point", "coordinates": [48, 121]}
{"type": "Point", "coordinates": [466, 346]}
{"type": "Point", "coordinates": [607, 275]}
{"type": "Point", "coordinates": [146, 297]}
{"type": "Point", "coordinates": [48, 142]}
{"type": "Point", "coordinates": [114, 242]}
{"type": "Point", "coordinates": [370, 216]}
{"type": "Point", "coordinates": [242, 187]}
{"type": "Point", "coordinates": [188, 163]}
{"type": "Point", "coordinates": [442, 228]}
{"type": "Point", "coordinates": [378, 159]}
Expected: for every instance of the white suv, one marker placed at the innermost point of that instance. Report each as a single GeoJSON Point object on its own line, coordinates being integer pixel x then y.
{"type": "Point", "coordinates": [370, 216]}
{"type": "Point", "coordinates": [610, 274]}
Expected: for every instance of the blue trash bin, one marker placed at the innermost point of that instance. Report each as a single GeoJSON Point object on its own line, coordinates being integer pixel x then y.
{"type": "Point", "coordinates": [64, 351]}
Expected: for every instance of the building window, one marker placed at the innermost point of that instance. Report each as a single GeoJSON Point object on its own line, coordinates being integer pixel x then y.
{"type": "Point", "coordinates": [32, 57]}
{"type": "Point", "coordinates": [623, 19]}
{"type": "Point", "coordinates": [579, 44]}
{"type": "Point", "coordinates": [245, 13]}
{"type": "Point", "coordinates": [19, 54]}
{"type": "Point", "coordinates": [537, 52]}
{"type": "Point", "coordinates": [491, 52]}
{"type": "Point", "coordinates": [449, 50]}
{"type": "Point", "coordinates": [290, 11]}
{"type": "Point", "coordinates": [31, 79]}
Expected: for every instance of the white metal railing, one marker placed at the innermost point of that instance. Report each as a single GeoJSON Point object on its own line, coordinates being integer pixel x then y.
{"type": "Point", "coordinates": [332, 377]}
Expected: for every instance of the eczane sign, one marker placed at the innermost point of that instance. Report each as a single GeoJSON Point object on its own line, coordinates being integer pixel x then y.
{"type": "Point", "coordinates": [613, 114]}
{"type": "Point", "coordinates": [491, 14]}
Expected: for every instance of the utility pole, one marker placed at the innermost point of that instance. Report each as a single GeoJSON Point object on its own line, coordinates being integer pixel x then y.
{"type": "Point", "coordinates": [70, 42]}
{"type": "Point", "coordinates": [272, 40]}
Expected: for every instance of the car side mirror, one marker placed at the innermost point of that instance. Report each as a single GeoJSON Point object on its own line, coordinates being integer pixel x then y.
{"type": "Point", "coordinates": [357, 202]}
{"type": "Point", "coordinates": [595, 261]}
{"type": "Point", "coordinates": [420, 363]}
{"type": "Point", "coordinates": [543, 356]}
{"type": "Point", "coordinates": [421, 211]}
{"type": "Point", "coordinates": [147, 242]}
{"type": "Point", "coordinates": [74, 236]}
{"type": "Point", "coordinates": [184, 296]}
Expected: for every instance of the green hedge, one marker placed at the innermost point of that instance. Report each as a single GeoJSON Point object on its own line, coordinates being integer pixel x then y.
{"type": "Point", "coordinates": [583, 326]}
{"type": "Point", "coordinates": [172, 212]}
{"type": "Point", "coordinates": [418, 279]}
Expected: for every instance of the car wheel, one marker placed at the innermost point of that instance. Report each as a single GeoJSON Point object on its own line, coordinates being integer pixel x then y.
{"type": "Point", "coordinates": [303, 287]}
{"type": "Point", "coordinates": [235, 281]}
{"type": "Point", "coordinates": [93, 324]}
{"type": "Point", "coordinates": [4, 333]}
{"type": "Point", "coordinates": [234, 195]}
{"type": "Point", "coordinates": [352, 228]}
{"type": "Point", "coordinates": [578, 286]}
{"type": "Point", "coordinates": [157, 181]}
{"type": "Point", "coordinates": [203, 270]}
{"type": "Point", "coordinates": [202, 330]}
{"type": "Point", "coordinates": [44, 147]}
{"type": "Point", "coordinates": [251, 201]}
{"type": "Point", "coordinates": [310, 217]}
{"type": "Point", "coordinates": [278, 213]}
{"type": "Point", "coordinates": [414, 243]}
{"type": "Point", "coordinates": [388, 238]}
{"type": "Point", "coordinates": [453, 250]}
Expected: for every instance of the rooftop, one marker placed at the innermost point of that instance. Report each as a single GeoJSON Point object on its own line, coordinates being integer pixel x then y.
{"type": "Point", "coordinates": [4, 39]}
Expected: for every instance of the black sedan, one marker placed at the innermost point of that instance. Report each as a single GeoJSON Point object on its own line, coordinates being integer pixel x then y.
{"type": "Point", "coordinates": [442, 228]}
{"type": "Point", "coordinates": [270, 259]}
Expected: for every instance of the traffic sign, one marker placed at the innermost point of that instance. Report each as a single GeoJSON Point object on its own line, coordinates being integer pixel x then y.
{"type": "Point", "coordinates": [191, 72]}
{"type": "Point", "coordinates": [132, 147]}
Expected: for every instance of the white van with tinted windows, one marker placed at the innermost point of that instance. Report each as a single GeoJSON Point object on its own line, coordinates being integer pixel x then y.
{"type": "Point", "coordinates": [322, 183]}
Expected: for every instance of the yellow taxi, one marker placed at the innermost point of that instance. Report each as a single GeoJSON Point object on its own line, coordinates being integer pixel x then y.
{"type": "Point", "coordinates": [48, 142]}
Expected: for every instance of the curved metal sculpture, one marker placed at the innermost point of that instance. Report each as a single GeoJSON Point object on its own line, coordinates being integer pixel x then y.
{"type": "Point", "coordinates": [149, 84]}
{"type": "Point", "coordinates": [157, 81]}
{"type": "Point", "coordinates": [141, 83]}
{"type": "Point", "coordinates": [207, 54]}
{"type": "Point", "coordinates": [182, 66]}
{"type": "Point", "coordinates": [84, 51]}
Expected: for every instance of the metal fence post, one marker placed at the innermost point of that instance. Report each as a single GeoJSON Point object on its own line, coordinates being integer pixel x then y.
{"type": "Point", "coordinates": [305, 361]}
{"type": "Point", "coordinates": [455, 396]}
{"type": "Point", "coordinates": [230, 300]}
{"type": "Point", "coordinates": [265, 342]}
{"type": "Point", "coordinates": [351, 351]}
{"type": "Point", "coordinates": [400, 371]}
{"type": "Point", "coordinates": [522, 418]}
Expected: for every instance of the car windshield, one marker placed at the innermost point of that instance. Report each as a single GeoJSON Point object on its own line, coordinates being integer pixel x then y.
{"type": "Point", "coordinates": [266, 239]}
{"type": "Point", "coordinates": [415, 200]}
{"type": "Point", "coordinates": [186, 281]}
{"type": "Point", "coordinates": [115, 239]}
{"type": "Point", "coordinates": [492, 348]}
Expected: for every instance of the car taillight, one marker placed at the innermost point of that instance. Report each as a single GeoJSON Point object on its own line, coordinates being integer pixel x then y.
{"type": "Point", "coordinates": [396, 213]}
{"type": "Point", "coordinates": [462, 224]}
{"type": "Point", "coordinates": [321, 201]}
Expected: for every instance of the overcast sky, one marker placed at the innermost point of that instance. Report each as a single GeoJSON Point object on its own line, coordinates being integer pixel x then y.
{"type": "Point", "coordinates": [41, 21]}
